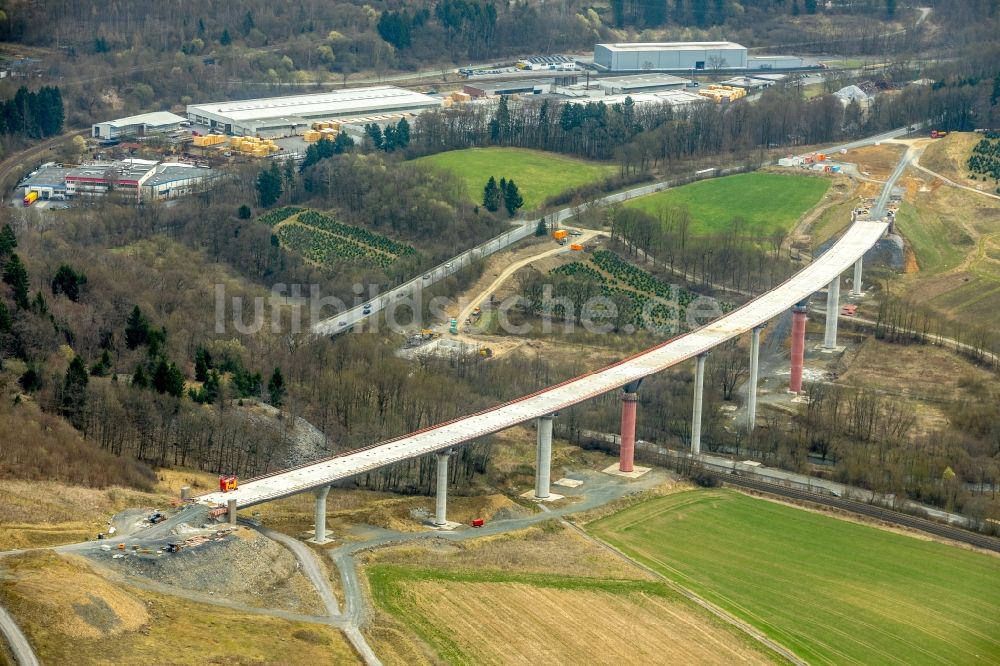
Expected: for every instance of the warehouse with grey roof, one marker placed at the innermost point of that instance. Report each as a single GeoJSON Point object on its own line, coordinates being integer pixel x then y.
{"type": "Point", "coordinates": [286, 116]}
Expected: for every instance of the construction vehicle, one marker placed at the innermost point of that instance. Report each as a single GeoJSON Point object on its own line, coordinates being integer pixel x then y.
{"type": "Point", "coordinates": [486, 352]}
{"type": "Point", "coordinates": [30, 198]}
{"type": "Point", "coordinates": [560, 235]}
{"type": "Point", "coordinates": [156, 517]}
{"type": "Point", "coordinates": [228, 482]}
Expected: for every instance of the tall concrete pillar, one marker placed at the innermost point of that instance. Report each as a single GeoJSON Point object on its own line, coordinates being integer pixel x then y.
{"type": "Point", "coordinates": [754, 363]}
{"type": "Point", "coordinates": [799, 319]}
{"type": "Point", "coordinates": [699, 389]}
{"type": "Point", "coordinates": [319, 536]}
{"type": "Point", "coordinates": [856, 287]}
{"type": "Point", "coordinates": [832, 312]}
{"type": "Point", "coordinates": [231, 511]}
{"type": "Point", "coordinates": [626, 456]}
{"type": "Point", "coordinates": [543, 457]}
{"type": "Point", "coordinates": [441, 504]}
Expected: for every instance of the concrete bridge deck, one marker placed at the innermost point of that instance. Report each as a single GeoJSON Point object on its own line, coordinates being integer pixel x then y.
{"type": "Point", "coordinates": [821, 272]}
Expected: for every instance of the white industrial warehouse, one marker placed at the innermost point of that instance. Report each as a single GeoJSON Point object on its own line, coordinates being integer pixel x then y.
{"type": "Point", "coordinates": [676, 56]}
{"type": "Point", "coordinates": [146, 123]}
{"type": "Point", "coordinates": [284, 116]}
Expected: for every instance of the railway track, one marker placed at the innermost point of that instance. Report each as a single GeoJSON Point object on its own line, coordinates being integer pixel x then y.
{"type": "Point", "coordinates": [880, 513]}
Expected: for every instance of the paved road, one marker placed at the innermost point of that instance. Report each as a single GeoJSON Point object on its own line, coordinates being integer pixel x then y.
{"type": "Point", "coordinates": [24, 655]}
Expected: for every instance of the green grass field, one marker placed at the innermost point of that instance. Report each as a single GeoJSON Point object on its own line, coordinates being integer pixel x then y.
{"type": "Point", "coordinates": [538, 174]}
{"type": "Point", "coordinates": [939, 244]}
{"type": "Point", "coordinates": [833, 591]}
{"type": "Point", "coordinates": [767, 201]}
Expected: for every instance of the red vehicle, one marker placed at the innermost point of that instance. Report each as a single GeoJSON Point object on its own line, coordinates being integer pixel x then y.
{"type": "Point", "coordinates": [227, 483]}
{"type": "Point", "coordinates": [478, 522]}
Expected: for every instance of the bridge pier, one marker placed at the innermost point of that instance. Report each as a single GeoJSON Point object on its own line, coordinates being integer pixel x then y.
{"type": "Point", "coordinates": [754, 369]}
{"type": "Point", "coordinates": [856, 286]}
{"type": "Point", "coordinates": [543, 457]}
{"type": "Point", "coordinates": [319, 535]}
{"type": "Point", "coordinates": [832, 313]}
{"type": "Point", "coordinates": [231, 511]}
{"type": "Point", "coordinates": [799, 319]}
{"type": "Point", "coordinates": [699, 389]}
{"type": "Point", "coordinates": [441, 501]}
{"type": "Point", "coordinates": [630, 401]}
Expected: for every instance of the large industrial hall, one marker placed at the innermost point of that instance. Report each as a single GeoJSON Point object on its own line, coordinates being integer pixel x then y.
{"type": "Point", "coordinates": [284, 116]}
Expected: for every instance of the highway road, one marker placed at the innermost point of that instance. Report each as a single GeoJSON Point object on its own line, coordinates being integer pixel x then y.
{"type": "Point", "coordinates": [849, 248]}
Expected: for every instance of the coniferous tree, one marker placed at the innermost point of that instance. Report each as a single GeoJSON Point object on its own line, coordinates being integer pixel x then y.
{"type": "Point", "coordinates": [8, 241]}
{"type": "Point", "coordinates": [269, 186]}
{"type": "Point", "coordinates": [74, 395]}
{"type": "Point", "coordinates": [16, 275]}
{"type": "Point", "coordinates": [167, 378]}
{"type": "Point", "coordinates": [31, 380]}
{"type": "Point", "coordinates": [491, 195]}
{"type": "Point", "coordinates": [276, 387]}
{"type": "Point", "coordinates": [402, 133]}
{"type": "Point", "coordinates": [202, 364]}
{"type": "Point", "coordinates": [139, 379]}
{"type": "Point", "coordinates": [136, 329]}
{"type": "Point", "coordinates": [67, 281]}
{"type": "Point", "coordinates": [512, 199]}
{"type": "Point", "coordinates": [375, 133]}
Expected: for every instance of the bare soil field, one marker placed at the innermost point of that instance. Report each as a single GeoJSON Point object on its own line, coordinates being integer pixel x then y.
{"type": "Point", "coordinates": [573, 626]}
{"type": "Point", "coordinates": [73, 615]}
{"type": "Point", "coordinates": [875, 161]}
{"type": "Point", "coordinates": [548, 548]}
{"type": "Point", "coordinates": [349, 509]}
